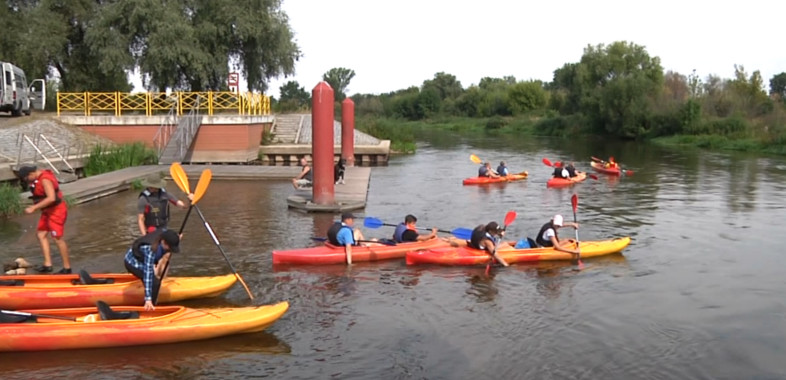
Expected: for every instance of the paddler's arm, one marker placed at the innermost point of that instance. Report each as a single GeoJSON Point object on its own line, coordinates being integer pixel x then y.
{"type": "Point", "coordinates": [149, 272]}
{"type": "Point", "coordinates": [348, 251]}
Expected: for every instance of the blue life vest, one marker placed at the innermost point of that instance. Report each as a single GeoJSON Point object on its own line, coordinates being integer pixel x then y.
{"type": "Point", "coordinates": [398, 234]}
{"type": "Point", "coordinates": [483, 172]}
{"type": "Point", "coordinates": [502, 170]}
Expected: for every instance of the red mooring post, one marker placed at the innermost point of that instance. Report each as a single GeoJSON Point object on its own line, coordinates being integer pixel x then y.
{"type": "Point", "coordinates": [348, 131]}
{"type": "Point", "coordinates": [322, 118]}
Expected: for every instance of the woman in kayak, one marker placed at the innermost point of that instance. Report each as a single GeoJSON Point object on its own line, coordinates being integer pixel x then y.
{"type": "Point", "coordinates": [486, 171]}
{"type": "Point", "coordinates": [548, 237]}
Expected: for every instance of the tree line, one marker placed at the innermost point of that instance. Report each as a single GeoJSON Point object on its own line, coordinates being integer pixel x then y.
{"type": "Point", "coordinates": [614, 90]}
{"type": "Point", "coordinates": [190, 45]}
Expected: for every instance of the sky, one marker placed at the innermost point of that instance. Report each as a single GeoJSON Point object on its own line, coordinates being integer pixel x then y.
{"type": "Point", "coordinates": [392, 45]}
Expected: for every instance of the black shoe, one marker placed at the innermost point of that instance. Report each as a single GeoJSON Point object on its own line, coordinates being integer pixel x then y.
{"type": "Point", "coordinates": [43, 269]}
{"type": "Point", "coordinates": [63, 271]}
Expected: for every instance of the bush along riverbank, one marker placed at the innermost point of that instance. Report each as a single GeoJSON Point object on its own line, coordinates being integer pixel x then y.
{"type": "Point", "coordinates": [105, 159]}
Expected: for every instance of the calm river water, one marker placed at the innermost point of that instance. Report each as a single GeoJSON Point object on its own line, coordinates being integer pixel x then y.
{"type": "Point", "coordinates": [698, 294]}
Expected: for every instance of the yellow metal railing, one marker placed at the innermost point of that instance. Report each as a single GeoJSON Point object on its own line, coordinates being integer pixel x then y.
{"type": "Point", "coordinates": [150, 103]}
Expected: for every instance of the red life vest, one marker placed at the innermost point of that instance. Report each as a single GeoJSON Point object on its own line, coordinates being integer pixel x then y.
{"type": "Point", "coordinates": [39, 194]}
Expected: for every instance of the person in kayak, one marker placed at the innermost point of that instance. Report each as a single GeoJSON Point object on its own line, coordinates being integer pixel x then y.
{"type": "Point", "coordinates": [153, 204]}
{"type": "Point", "coordinates": [305, 177]}
{"type": "Point", "coordinates": [47, 197]}
{"type": "Point", "coordinates": [147, 258]}
{"type": "Point", "coordinates": [571, 168]}
{"type": "Point", "coordinates": [488, 238]}
{"type": "Point", "coordinates": [502, 169]}
{"type": "Point", "coordinates": [343, 234]}
{"type": "Point", "coordinates": [486, 171]}
{"type": "Point", "coordinates": [407, 232]}
{"type": "Point", "coordinates": [611, 164]}
{"type": "Point", "coordinates": [548, 237]}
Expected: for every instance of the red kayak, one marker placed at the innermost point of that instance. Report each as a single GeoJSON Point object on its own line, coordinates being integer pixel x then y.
{"type": "Point", "coordinates": [471, 256]}
{"type": "Point", "coordinates": [601, 169]}
{"type": "Point", "coordinates": [485, 180]}
{"type": "Point", "coordinates": [331, 254]}
{"type": "Point", "coordinates": [563, 182]}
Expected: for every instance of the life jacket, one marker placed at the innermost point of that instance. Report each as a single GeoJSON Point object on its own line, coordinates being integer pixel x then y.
{"type": "Point", "coordinates": [157, 209]}
{"type": "Point", "coordinates": [332, 232]}
{"type": "Point", "coordinates": [483, 171]}
{"type": "Point", "coordinates": [478, 234]}
{"type": "Point", "coordinates": [541, 240]}
{"type": "Point", "coordinates": [571, 170]}
{"type": "Point", "coordinates": [38, 192]}
{"type": "Point", "coordinates": [502, 170]}
{"type": "Point", "coordinates": [152, 239]}
{"type": "Point", "coordinates": [558, 172]}
{"type": "Point", "coordinates": [398, 234]}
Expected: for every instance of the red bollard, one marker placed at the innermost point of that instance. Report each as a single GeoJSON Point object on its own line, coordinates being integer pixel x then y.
{"type": "Point", "coordinates": [322, 119]}
{"type": "Point", "coordinates": [348, 131]}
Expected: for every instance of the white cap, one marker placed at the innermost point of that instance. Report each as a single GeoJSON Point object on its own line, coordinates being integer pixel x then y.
{"type": "Point", "coordinates": [565, 173]}
{"type": "Point", "coordinates": [558, 220]}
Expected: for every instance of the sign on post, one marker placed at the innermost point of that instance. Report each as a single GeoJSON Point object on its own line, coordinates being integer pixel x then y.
{"type": "Point", "coordinates": [232, 81]}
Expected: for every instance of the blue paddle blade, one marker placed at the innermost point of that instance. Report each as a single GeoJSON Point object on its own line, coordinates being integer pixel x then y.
{"type": "Point", "coordinates": [370, 222]}
{"type": "Point", "coordinates": [462, 233]}
{"type": "Point", "coordinates": [319, 238]}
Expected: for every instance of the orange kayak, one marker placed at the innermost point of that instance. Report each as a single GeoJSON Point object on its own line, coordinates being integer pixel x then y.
{"type": "Point", "coordinates": [598, 167]}
{"type": "Point", "coordinates": [485, 180]}
{"type": "Point", "coordinates": [471, 256]}
{"type": "Point", "coordinates": [331, 254]}
{"type": "Point", "coordinates": [563, 182]}
{"type": "Point", "coordinates": [64, 290]}
{"type": "Point", "coordinates": [166, 324]}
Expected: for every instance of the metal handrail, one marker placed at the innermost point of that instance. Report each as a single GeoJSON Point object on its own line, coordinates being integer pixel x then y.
{"type": "Point", "coordinates": [164, 133]}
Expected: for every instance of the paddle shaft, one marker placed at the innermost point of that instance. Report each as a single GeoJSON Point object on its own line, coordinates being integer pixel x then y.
{"type": "Point", "coordinates": [418, 228]}
{"type": "Point", "coordinates": [218, 244]}
{"type": "Point", "coordinates": [24, 314]}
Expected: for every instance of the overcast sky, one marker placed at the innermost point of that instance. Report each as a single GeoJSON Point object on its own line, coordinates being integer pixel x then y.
{"type": "Point", "coordinates": [393, 45]}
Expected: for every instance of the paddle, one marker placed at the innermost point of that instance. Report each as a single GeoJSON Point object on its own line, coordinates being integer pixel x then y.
{"type": "Point", "coordinates": [627, 172]}
{"type": "Point", "coordinates": [478, 161]}
{"type": "Point", "coordinates": [182, 181]}
{"type": "Point", "coordinates": [461, 233]}
{"type": "Point", "coordinates": [380, 241]}
{"type": "Point", "coordinates": [574, 201]}
{"type": "Point", "coordinates": [30, 315]}
{"type": "Point", "coordinates": [559, 165]}
{"type": "Point", "coordinates": [509, 218]}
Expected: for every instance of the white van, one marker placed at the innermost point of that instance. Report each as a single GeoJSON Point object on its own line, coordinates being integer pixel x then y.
{"type": "Point", "coordinates": [15, 96]}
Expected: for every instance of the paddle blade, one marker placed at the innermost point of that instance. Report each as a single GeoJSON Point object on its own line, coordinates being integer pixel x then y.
{"type": "Point", "coordinates": [475, 159]}
{"type": "Point", "coordinates": [322, 239]}
{"type": "Point", "coordinates": [462, 233]}
{"type": "Point", "coordinates": [574, 201]}
{"type": "Point", "coordinates": [596, 159]}
{"type": "Point", "coordinates": [547, 162]}
{"type": "Point", "coordinates": [204, 181]}
{"type": "Point", "coordinates": [370, 222]}
{"type": "Point", "coordinates": [593, 176]}
{"type": "Point", "coordinates": [510, 217]}
{"type": "Point", "coordinates": [180, 177]}
{"type": "Point", "coordinates": [629, 172]}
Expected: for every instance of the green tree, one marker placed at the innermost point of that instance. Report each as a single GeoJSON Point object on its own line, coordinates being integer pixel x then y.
{"type": "Point", "coordinates": [778, 85]}
{"type": "Point", "coordinates": [446, 86]}
{"type": "Point", "coordinates": [292, 96]}
{"type": "Point", "coordinates": [749, 92]}
{"type": "Point", "coordinates": [338, 78]}
{"type": "Point", "coordinates": [527, 96]}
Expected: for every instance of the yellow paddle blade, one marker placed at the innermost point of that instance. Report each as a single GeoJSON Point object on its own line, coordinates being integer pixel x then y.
{"type": "Point", "coordinates": [180, 177]}
{"type": "Point", "coordinates": [204, 181]}
{"type": "Point", "coordinates": [475, 159]}
{"type": "Point", "coordinates": [524, 173]}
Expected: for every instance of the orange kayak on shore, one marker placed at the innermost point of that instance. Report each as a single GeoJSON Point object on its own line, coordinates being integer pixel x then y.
{"type": "Point", "coordinates": [35, 291]}
{"type": "Point", "coordinates": [166, 324]}
{"type": "Point", "coordinates": [563, 182]}
{"type": "Point", "coordinates": [485, 180]}
{"type": "Point", "coordinates": [331, 254]}
{"type": "Point", "coordinates": [471, 256]}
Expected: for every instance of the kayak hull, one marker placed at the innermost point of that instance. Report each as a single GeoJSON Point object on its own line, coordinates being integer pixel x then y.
{"type": "Point", "coordinates": [564, 182]}
{"type": "Point", "coordinates": [330, 254]}
{"type": "Point", "coordinates": [471, 256]}
{"type": "Point", "coordinates": [59, 291]}
{"type": "Point", "coordinates": [488, 180]}
{"type": "Point", "coordinates": [598, 167]}
{"type": "Point", "coordinates": [167, 324]}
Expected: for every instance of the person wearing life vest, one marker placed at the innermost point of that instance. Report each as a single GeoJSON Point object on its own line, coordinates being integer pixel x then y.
{"type": "Point", "coordinates": [153, 205]}
{"type": "Point", "coordinates": [486, 171]}
{"type": "Point", "coordinates": [343, 234]}
{"type": "Point", "coordinates": [548, 237]}
{"type": "Point", "coordinates": [502, 169]}
{"type": "Point", "coordinates": [407, 231]}
{"type": "Point", "coordinates": [488, 238]}
{"type": "Point", "coordinates": [611, 164]}
{"type": "Point", "coordinates": [571, 168]}
{"type": "Point", "coordinates": [47, 198]}
{"type": "Point", "coordinates": [147, 258]}
{"type": "Point", "coordinates": [305, 177]}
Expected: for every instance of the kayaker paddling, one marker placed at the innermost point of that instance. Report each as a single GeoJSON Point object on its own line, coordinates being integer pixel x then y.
{"type": "Point", "coordinates": [486, 237]}
{"type": "Point", "coordinates": [487, 171]}
{"type": "Point", "coordinates": [344, 234]}
{"type": "Point", "coordinates": [407, 231]}
{"type": "Point", "coordinates": [548, 237]}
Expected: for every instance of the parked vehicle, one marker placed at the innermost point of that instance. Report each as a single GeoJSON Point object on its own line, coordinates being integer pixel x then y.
{"type": "Point", "coordinates": [15, 96]}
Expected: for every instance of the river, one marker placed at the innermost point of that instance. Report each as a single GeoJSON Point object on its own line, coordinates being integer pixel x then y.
{"type": "Point", "coordinates": [698, 293]}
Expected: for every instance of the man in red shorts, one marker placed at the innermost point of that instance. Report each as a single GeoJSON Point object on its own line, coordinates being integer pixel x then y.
{"type": "Point", "coordinates": [47, 198]}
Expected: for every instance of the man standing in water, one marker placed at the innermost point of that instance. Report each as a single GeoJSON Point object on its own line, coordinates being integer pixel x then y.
{"type": "Point", "coordinates": [47, 198]}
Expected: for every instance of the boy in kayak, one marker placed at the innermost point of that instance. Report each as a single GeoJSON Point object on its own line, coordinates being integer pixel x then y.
{"type": "Point", "coordinates": [407, 232]}
{"type": "Point", "coordinates": [147, 258]}
{"type": "Point", "coordinates": [343, 234]}
{"type": "Point", "coordinates": [486, 171]}
{"type": "Point", "coordinates": [548, 237]}
{"type": "Point", "coordinates": [502, 169]}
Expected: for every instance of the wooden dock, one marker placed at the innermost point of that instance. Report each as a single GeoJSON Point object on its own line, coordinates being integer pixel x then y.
{"type": "Point", "coordinates": [350, 196]}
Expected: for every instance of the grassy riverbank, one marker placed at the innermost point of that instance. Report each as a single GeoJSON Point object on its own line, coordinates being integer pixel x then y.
{"type": "Point", "coordinates": [104, 159]}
